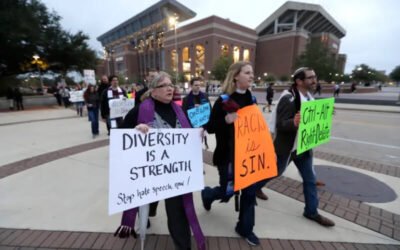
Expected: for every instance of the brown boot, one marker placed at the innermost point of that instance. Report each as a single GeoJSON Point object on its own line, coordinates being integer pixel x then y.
{"type": "Point", "coordinates": [260, 194]}
{"type": "Point", "coordinates": [320, 184]}
{"type": "Point", "coordinates": [322, 220]}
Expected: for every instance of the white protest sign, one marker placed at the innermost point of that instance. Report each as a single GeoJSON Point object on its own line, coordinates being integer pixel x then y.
{"type": "Point", "coordinates": [76, 96]}
{"type": "Point", "coordinates": [89, 76]}
{"type": "Point", "coordinates": [199, 115]}
{"type": "Point", "coordinates": [120, 107]}
{"type": "Point", "coordinates": [149, 167]}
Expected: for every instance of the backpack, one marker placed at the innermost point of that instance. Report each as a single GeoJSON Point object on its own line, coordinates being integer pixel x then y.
{"type": "Point", "coordinates": [272, 120]}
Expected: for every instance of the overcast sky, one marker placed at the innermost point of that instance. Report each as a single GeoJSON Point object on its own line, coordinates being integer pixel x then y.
{"type": "Point", "coordinates": [372, 26]}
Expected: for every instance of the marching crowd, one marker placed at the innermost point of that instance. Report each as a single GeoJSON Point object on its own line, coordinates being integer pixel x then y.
{"type": "Point", "coordinates": [157, 105]}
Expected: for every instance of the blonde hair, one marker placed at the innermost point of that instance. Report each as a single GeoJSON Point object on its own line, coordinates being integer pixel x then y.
{"type": "Point", "coordinates": [229, 85]}
{"type": "Point", "coordinates": [153, 84]}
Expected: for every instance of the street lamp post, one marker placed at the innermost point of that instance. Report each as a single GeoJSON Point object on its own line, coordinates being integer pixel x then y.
{"type": "Point", "coordinates": [37, 62]}
{"type": "Point", "coordinates": [173, 21]}
{"type": "Point", "coordinates": [112, 70]}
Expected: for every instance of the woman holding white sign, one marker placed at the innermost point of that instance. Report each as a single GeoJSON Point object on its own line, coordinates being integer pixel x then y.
{"type": "Point", "coordinates": [159, 111]}
{"type": "Point", "coordinates": [223, 115]}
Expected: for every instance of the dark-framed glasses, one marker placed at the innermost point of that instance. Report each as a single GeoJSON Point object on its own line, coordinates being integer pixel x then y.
{"type": "Point", "coordinates": [165, 85]}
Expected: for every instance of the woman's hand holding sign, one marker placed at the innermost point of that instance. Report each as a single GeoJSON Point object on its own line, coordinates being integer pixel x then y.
{"type": "Point", "coordinates": [144, 128]}
{"type": "Point", "coordinates": [231, 118]}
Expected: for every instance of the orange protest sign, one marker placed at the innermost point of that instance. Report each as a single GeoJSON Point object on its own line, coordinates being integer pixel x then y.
{"type": "Point", "coordinates": [255, 158]}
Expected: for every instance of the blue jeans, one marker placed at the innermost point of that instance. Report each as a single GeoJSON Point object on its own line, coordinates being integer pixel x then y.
{"type": "Point", "coordinates": [79, 108]}
{"type": "Point", "coordinates": [304, 163]}
{"type": "Point", "coordinates": [247, 213]}
{"type": "Point", "coordinates": [93, 114]}
{"type": "Point", "coordinates": [247, 203]}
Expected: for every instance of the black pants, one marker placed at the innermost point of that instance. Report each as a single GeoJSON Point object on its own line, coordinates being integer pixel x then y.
{"type": "Point", "coordinates": [246, 220]}
{"type": "Point", "coordinates": [153, 209]}
{"type": "Point", "coordinates": [19, 104]}
{"type": "Point", "coordinates": [178, 224]}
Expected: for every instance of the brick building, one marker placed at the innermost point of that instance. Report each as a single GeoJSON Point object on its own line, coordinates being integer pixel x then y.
{"type": "Point", "coordinates": [283, 36]}
{"type": "Point", "coordinates": [151, 40]}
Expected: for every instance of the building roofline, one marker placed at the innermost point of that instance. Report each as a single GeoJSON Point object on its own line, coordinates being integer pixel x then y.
{"type": "Point", "coordinates": [290, 5]}
{"type": "Point", "coordinates": [249, 30]}
{"type": "Point", "coordinates": [185, 13]}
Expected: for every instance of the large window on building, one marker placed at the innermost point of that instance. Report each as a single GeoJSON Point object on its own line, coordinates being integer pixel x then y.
{"type": "Point", "coordinates": [246, 55]}
{"type": "Point", "coordinates": [160, 40]}
{"type": "Point", "coordinates": [200, 60]}
{"type": "Point", "coordinates": [186, 63]}
{"type": "Point", "coordinates": [186, 60]}
{"type": "Point", "coordinates": [236, 54]}
{"type": "Point", "coordinates": [225, 50]}
{"type": "Point", "coordinates": [174, 61]}
{"type": "Point", "coordinates": [141, 46]}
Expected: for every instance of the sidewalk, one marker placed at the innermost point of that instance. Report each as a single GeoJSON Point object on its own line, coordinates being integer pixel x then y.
{"type": "Point", "coordinates": [54, 184]}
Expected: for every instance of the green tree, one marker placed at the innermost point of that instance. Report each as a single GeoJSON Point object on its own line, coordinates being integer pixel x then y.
{"type": "Point", "coordinates": [395, 74]}
{"type": "Point", "coordinates": [28, 28]}
{"type": "Point", "coordinates": [366, 74]}
{"type": "Point", "coordinates": [380, 77]}
{"type": "Point", "coordinates": [284, 78]}
{"type": "Point", "coordinates": [345, 78]}
{"type": "Point", "coordinates": [318, 57]}
{"type": "Point", "coordinates": [181, 77]}
{"type": "Point", "coordinates": [221, 66]}
{"type": "Point", "coordinates": [270, 78]}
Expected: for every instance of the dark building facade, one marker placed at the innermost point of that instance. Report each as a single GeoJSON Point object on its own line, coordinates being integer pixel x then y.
{"type": "Point", "coordinates": [151, 40]}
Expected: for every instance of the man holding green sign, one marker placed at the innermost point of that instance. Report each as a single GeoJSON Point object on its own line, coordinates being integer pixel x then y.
{"type": "Point", "coordinates": [308, 122]}
{"type": "Point", "coordinates": [315, 125]}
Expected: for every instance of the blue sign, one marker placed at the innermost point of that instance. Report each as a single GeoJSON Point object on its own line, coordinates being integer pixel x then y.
{"type": "Point", "coordinates": [199, 115]}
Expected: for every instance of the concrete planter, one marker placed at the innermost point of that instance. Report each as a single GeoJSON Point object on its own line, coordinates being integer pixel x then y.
{"type": "Point", "coordinates": [32, 101]}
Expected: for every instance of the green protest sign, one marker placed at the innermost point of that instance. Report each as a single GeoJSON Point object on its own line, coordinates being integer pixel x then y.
{"type": "Point", "coordinates": [315, 125]}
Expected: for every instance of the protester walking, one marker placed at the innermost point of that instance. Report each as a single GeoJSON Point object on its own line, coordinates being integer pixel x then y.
{"type": "Point", "coordinates": [159, 111]}
{"type": "Point", "coordinates": [18, 99]}
{"type": "Point", "coordinates": [269, 97]}
{"type": "Point", "coordinates": [104, 84]}
{"type": "Point", "coordinates": [285, 132]}
{"type": "Point", "coordinates": [113, 92]}
{"type": "Point", "coordinates": [79, 104]}
{"type": "Point", "coordinates": [236, 95]}
{"type": "Point", "coordinates": [92, 103]}
{"type": "Point", "coordinates": [56, 93]}
{"type": "Point", "coordinates": [336, 90]}
{"type": "Point", "coordinates": [64, 93]}
{"type": "Point", "coordinates": [10, 98]}
{"type": "Point", "coordinates": [194, 99]}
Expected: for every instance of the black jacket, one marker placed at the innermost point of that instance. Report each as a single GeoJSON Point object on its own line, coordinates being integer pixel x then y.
{"type": "Point", "coordinates": [139, 94]}
{"type": "Point", "coordinates": [224, 133]}
{"type": "Point", "coordinates": [191, 100]}
{"type": "Point", "coordinates": [270, 92]}
{"type": "Point", "coordinates": [101, 88]}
